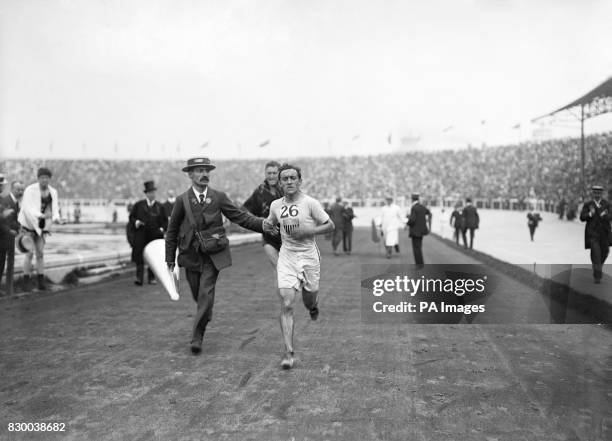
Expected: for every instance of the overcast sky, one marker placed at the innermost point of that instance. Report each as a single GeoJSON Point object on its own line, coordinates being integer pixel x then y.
{"type": "Point", "coordinates": [133, 79]}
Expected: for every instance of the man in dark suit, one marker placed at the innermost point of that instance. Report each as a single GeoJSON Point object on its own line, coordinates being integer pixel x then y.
{"type": "Point", "coordinates": [419, 223]}
{"type": "Point", "coordinates": [456, 221]}
{"type": "Point", "coordinates": [471, 220]}
{"type": "Point", "coordinates": [169, 204]}
{"type": "Point", "coordinates": [597, 215]}
{"type": "Point", "coordinates": [259, 204]}
{"type": "Point", "coordinates": [336, 212]}
{"type": "Point", "coordinates": [148, 221]}
{"type": "Point", "coordinates": [196, 229]}
{"type": "Point", "coordinates": [347, 232]}
{"type": "Point", "coordinates": [9, 227]}
{"type": "Point", "coordinates": [533, 220]}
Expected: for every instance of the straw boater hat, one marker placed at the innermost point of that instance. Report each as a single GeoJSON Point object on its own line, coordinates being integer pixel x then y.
{"type": "Point", "coordinates": [199, 162]}
{"type": "Point", "coordinates": [24, 243]}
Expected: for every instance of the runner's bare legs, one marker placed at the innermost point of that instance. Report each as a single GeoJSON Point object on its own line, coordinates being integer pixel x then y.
{"type": "Point", "coordinates": [287, 296]}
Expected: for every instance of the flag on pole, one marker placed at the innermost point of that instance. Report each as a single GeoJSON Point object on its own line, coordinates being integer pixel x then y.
{"type": "Point", "coordinates": [17, 145]}
{"type": "Point", "coordinates": [116, 147]}
{"type": "Point", "coordinates": [447, 129]}
{"type": "Point", "coordinates": [483, 122]}
{"type": "Point", "coordinates": [355, 138]}
{"type": "Point", "coordinates": [517, 126]}
{"type": "Point", "coordinates": [265, 143]}
{"type": "Point", "coordinates": [203, 146]}
{"type": "Point", "coordinates": [389, 138]}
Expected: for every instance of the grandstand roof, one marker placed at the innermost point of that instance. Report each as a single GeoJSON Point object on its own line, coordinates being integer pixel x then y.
{"type": "Point", "coordinates": [603, 91]}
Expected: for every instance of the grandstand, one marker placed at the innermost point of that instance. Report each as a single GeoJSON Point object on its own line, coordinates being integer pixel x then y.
{"type": "Point", "coordinates": [497, 177]}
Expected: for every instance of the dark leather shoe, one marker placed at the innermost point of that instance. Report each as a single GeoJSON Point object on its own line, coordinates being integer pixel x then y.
{"type": "Point", "coordinates": [196, 347]}
{"type": "Point", "coordinates": [138, 282]}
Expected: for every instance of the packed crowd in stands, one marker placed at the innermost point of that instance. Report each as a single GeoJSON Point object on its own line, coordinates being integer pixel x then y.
{"type": "Point", "coordinates": [550, 169]}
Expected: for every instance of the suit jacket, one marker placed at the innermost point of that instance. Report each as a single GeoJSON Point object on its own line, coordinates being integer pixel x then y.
{"type": "Point", "coordinates": [456, 219]}
{"type": "Point", "coordinates": [181, 234]}
{"type": "Point", "coordinates": [470, 217]}
{"type": "Point", "coordinates": [348, 218]}
{"type": "Point", "coordinates": [8, 223]}
{"type": "Point", "coordinates": [597, 227]}
{"type": "Point", "coordinates": [419, 220]}
{"type": "Point", "coordinates": [154, 219]}
{"type": "Point", "coordinates": [336, 212]}
{"type": "Point", "coordinates": [259, 204]}
{"type": "Point", "coordinates": [168, 206]}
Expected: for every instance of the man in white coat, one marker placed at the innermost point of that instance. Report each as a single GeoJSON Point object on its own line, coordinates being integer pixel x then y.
{"type": "Point", "coordinates": [39, 208]}
{"type": "Point", "coordinates": [391, 222]}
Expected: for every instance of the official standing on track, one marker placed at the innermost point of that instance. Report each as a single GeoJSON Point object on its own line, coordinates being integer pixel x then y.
{"type": "Point", "coordinates": [597, 237]}
{"type": "Point", "coordinates": [471, 221]}
{"type": "Point", "coordinates": [149, 221]}
{"type": "Point", "coordinates": [419, 223]}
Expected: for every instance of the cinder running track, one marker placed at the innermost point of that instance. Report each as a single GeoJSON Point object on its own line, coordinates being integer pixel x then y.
{"type": "Point", "coordinates": [112, 361]}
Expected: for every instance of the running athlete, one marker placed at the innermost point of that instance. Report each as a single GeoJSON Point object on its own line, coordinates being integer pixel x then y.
{"type": "Point", "coordinates": [299, 264]}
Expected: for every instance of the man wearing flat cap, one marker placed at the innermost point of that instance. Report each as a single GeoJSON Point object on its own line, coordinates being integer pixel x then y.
{"type": "Point", "coordinates": [196, 229]}
{"type": "Point", "coordinates": [148, 221]}
{"type": "Point", "coordinates": [597, 237]}
{"type": "Point", "coordinates": [39, 209]}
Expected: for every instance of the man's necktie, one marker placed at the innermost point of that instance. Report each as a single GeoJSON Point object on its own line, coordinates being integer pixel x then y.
{"type": "Point", "coordinates": [202, 199]}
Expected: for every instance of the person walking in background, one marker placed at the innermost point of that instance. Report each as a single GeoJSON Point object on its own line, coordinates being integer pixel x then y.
{"type": "Point", "coordinates": [597, 236]}
{"type": "Point", "coordinates": [196, 229]}
{"type": "Point", "coordinates": [148, 221]}
{"type": "Point", "coordinates": [347, 231]}
{"type": "Point", "coordinates": [471, 221]}
{"type": "Point", "coordinates": [390, 223]}
{"type": "Point", "coordinates": [419, 223]}
{"type": "Point", "coordinates": [169, 204]}
{"type": "Point", "coordinates": [456, 221]}
{"type": "Point", "coordinates": [39, 209]}
{"type": "Point", "coordinates": [533, 219]}
{"type": "Point", "coordinates": [9, 227]}
{"type": "Point", "coordinates": [336, 214]}
{"type": "Point", "coordinates": [259, 204]}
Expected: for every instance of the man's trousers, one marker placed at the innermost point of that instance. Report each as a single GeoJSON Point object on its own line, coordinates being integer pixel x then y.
{"type": "Point", "coordinates": [202, 286]}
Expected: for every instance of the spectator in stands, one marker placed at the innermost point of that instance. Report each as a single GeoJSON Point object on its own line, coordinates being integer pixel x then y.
{"type": "Point", "coordinates": [9, 227]}
{"type": "Point", "coordinates": [597, 214]}
{"type": "Point", "coordinates": [39, 209]}
{"type": "Point", "coordinates": [471, 221]}
{"type": "Point", "coordinates": [149, 222]}
{"type": "Point", "coordinates": [336, 214]}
